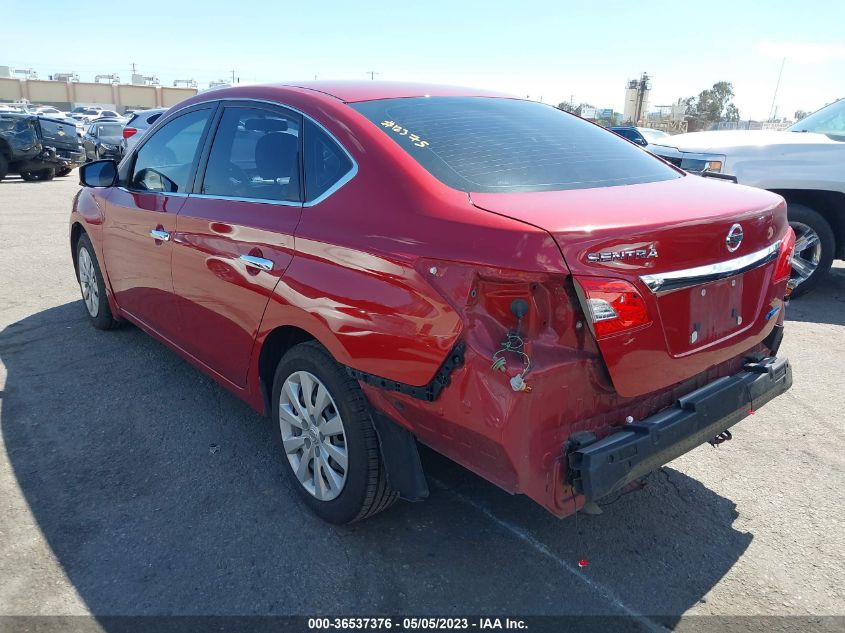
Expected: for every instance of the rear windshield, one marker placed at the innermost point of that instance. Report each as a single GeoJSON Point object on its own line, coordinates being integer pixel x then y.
{"type": "Point", "coordinates": [498, 145]}
{"type": "Point", "coordinates": [109, 130]}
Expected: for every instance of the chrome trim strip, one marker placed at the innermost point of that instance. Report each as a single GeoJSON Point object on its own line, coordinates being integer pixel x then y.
{"type": "Point", "coordinates": [660, 283]}
{"type": "Point", "coordinates": [340, 183]}
{"type": "Point", "coordinates": [174, 194]}
{"type": "Point", "coordinates": [281, 203]}
{"type": "Point", "coordinates": [349, 176]}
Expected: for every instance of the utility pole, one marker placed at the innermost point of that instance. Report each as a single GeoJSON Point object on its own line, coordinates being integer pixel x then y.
{"type": "Point", "coordinates": [133, 68]}
{"type": "Point", "coordinates": [641, 90]}
{"type": "Point", "coordinates": [233, 77]}
{"type": "Point", "coordinates": [372, 74]}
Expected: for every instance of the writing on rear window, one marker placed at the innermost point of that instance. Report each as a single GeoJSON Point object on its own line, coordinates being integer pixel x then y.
{"type": "Point", "coordinates": [403, 131]}
{"type": "Point", "coordinates": [489, 145]}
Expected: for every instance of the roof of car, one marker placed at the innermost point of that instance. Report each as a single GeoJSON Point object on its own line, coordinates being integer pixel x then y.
{"type": "Point", "coordinates": [352, 91]}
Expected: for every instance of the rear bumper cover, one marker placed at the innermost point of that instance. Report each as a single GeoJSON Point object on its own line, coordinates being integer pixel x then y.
{"type": "Point", "coordinates": [608, 465]}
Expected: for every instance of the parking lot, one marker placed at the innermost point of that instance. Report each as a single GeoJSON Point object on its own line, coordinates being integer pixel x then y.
{"type": "Point", "coordinates": [132, 484]}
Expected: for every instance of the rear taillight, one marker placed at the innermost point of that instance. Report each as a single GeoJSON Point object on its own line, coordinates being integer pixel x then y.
{"type": "Point", "coordinates": [129, 131]}
{"type": "Point", "coordinates": [783, 268]}
{"type": "Point", "coordinates": [614, 305]}
{"type": "Point", "coordinates": [500, 300]}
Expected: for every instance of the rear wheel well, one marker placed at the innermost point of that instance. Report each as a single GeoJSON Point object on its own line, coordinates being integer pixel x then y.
{"type": "Point", "coordinates": [277, 343]}
{"type": "Point", "coordinates": [830, 204]}
{"type": "Point", "coordinates": [76, 232]}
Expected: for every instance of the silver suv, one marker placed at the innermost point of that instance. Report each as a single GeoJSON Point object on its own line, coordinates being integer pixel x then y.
{"type": "Point", "coordinates": [136, 126]}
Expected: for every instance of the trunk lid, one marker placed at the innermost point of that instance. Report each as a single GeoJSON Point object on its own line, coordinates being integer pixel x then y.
{"type": "Point", "coordinates": [58, 134]}
{"type": "Point", "coordinates": [671, 232]}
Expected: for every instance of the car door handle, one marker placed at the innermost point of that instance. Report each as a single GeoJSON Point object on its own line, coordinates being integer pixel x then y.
{"type": "Point", "coordinates": [157, 234]}
{"type": "Point", "coordinates": [257, 262]}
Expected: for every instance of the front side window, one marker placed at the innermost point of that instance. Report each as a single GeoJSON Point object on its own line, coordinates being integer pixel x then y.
{"type": "Point", "coordinates": [488, 145]}
{"type": "Point", "coordinates": [255, 155]}
{"type": "Point", "coordinates": [326, 163]}
{"type": "Point", "coordinates": [163, 164]}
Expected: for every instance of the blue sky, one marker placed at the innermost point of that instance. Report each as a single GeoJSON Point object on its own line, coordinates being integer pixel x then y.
{"type": "Point", "coordinates": [546, 50]}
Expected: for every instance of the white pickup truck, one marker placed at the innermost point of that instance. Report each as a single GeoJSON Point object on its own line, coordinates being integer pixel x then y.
{"type": "Point", "coordinates": [805, 164]}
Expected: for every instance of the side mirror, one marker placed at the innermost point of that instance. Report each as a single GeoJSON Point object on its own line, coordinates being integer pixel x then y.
{"type": "Point", "coordinates": [99, 173]}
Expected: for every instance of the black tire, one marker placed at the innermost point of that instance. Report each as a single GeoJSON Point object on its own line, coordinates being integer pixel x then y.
{"type": "Point", "coordinates": [41, 174]}
{"type": "Point", "coordinates": [800, 214]}
{"type": "Point", "coordinates": [64, 171]}
{"type": "Point", "coordinates": [4, 166]}
{"type": "Point", "coordinates": [365, 491]}
{"type": "Point", "coordinates": [102, 319]}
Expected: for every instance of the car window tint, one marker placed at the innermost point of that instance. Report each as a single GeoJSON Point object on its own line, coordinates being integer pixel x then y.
{"type": "Point", "coordinates": [497, 145]}
{"type": "Point", "coordinates": [255, 154]}
{"type": "Point", "coordinates": [164, 162]}
{"type": "Point", "coordinates": [325, 162]}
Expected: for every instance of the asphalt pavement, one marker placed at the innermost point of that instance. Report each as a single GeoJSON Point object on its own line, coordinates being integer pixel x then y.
{"type": "Point", "coordinates": [132, 484]}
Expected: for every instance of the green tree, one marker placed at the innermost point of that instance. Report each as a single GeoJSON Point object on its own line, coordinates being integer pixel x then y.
{"type": "Point", "coordinates": [801, 114]}
{"type": "Point", "coordinates": [714, 104]}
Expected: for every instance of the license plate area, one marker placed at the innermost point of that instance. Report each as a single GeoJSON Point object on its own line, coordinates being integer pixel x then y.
{"type": "Point", "coordinates": [701, 315]}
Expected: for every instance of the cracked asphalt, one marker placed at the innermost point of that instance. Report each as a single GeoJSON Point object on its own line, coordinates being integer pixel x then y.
{"type": "Point", "coordinates": [132, 484]}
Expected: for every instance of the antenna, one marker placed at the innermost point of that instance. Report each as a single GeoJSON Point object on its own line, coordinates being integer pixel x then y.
{"type": "Point", "coordinates": [777, 87]}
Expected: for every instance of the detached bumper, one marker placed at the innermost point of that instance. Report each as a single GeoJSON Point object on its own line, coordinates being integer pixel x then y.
{"type": "Point", "coordinates": [605, 466]}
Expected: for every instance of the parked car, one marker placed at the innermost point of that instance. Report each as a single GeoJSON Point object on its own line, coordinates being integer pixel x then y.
{"type": "Point", "coordinates": [805, 164]}
{"type": "Point", "coordinates": [653, 135]}
{"type": "Point", "coordinates": [48, 111]}
{"type": "Point", "coordinates": [37, 148]}
{"type": "Point", "coordinates": [102, 139]}
{"type": "Point", "coordinates": [631, 133]}
{"type": "Point", "coordinates": [642, 136]}
{"type": "Point", "coordinates": [87, 114]}
{"type": "Point", "coordinates": [137, 124]}
{"type": "Point", "coordinates": [376, 264]}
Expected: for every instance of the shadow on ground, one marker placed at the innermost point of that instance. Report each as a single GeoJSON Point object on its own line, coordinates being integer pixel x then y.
{"type": "Point", "coordinates": [160, 493]}
{"type": "Point", "coordinates": [824, 304]}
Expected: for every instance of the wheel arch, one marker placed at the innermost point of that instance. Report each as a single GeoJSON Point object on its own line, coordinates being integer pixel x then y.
{"type": "Point", "coordinates": [274, 346]}
{"type": "Point", "coordinates": [397, 445]}
{"type": "Point", "coordinates": [76, 232]}
{"type": "Point", "coordinates": [831, 206]}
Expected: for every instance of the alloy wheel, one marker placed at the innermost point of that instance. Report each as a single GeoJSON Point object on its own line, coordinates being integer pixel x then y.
{"type": "Point", "coordinates": [807, 254]}
{"type": "Point", "coordinates": [313, 435]}
{"type": "Point", "coordinates": [88, 282]}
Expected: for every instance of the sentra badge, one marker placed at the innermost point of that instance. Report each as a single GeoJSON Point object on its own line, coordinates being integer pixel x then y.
{"type": "Point", "coordinates": [622, 256]}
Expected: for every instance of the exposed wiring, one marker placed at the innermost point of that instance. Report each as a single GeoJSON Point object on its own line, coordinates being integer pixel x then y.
{"type": "Point", "coordinates": [514, 344]}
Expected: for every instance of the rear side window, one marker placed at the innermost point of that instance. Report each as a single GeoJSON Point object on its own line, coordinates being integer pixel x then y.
{"type": "Point", "coordinates": [164, 162]}
{"type": "Point", "coordinates": [499, 145]}
{"type": "Point", "coordinates": [255, 155]}
{"type": "Point", "coordinates": [153, 118]}
{"type": "Point", "coordinates": [326, 164]}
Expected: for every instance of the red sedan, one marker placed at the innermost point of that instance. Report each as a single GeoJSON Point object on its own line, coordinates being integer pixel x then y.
{"type": "Point", "coordinates": [375, 265]}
